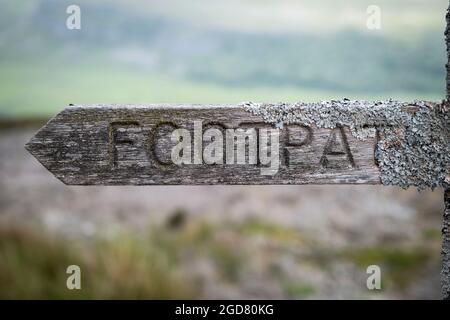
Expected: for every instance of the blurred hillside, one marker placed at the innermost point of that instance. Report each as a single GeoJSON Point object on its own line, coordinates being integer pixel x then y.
{"type": "Point", "coordinates": [206, 51]}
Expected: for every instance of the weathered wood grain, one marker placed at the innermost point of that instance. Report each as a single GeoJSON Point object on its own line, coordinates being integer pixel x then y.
{"type": "Point", "coordinates": [445, 252]}
{"type": "Point", "coordinates": [445, 273]}
{"type": "Point", "coordinates": [118, 145]}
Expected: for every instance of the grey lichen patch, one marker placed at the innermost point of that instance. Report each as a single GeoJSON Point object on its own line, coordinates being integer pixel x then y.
{"type": "Point", "coordinates": [413, 147]}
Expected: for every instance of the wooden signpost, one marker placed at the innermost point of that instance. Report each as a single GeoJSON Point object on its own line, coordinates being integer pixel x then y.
{"type": "Point", "coordinates": [329, 142]}
{"type": "Point", "coordinates": [133, 145]}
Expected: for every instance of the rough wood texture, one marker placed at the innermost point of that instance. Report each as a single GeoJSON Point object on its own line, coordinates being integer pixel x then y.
{"type": "Point", "coordinates": [112, 145]}
{"type": "Point", "coordinates": [445, 273]}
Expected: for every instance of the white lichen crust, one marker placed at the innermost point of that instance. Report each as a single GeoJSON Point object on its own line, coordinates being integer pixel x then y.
{"type": "Point", "coordinates": [413, 146]}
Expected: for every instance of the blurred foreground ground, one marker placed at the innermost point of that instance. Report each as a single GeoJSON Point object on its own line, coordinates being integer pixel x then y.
{"type": "Point", "coordinates": [211, 241]}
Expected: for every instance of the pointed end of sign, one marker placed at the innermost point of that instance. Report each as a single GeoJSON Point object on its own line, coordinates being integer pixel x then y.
{"type": "Point", "coordinates": [29, 146]}
{"type": "Point", "coordinates": [49, 146]}
{"type": "Point", "coordinates": [38, 144]}
{"type": "Point", "coordinates": [36, 147]}
{"type": "Point", "coordinates": [32, 146]}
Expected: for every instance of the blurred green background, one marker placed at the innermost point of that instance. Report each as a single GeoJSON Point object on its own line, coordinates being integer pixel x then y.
{"type": "Point", "coordinates": [209, 51]}
{"type": "Point", "coordinates": [223, 241]}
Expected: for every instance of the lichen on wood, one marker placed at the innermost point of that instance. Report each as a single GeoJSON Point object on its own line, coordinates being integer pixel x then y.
{"type": "Point", "coordinates": [413, 147]}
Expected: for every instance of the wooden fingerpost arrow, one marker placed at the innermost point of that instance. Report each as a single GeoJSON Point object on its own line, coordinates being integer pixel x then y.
{"type": "Point", "coordinates": [329, 142]}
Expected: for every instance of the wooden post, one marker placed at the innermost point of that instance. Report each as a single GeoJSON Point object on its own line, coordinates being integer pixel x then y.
{"type": "Point", "coordinates": [445, 273]}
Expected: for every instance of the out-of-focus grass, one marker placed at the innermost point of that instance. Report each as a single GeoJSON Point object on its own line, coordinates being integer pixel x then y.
{"type": "Point", "coordinates": [298, 290]}
{"type": "Point", "coordinates": [432, 234]}
{"type": "Point", "coordinates": [274, 231]}
{"type": "Point", "coordinates": [148, 265]}
{"type": "Point", "coordinates": [400, 266]}
{"type": "Point", "coordinates": [174, 261]}
{"type": "Point", "coordinates": [33, 265]}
